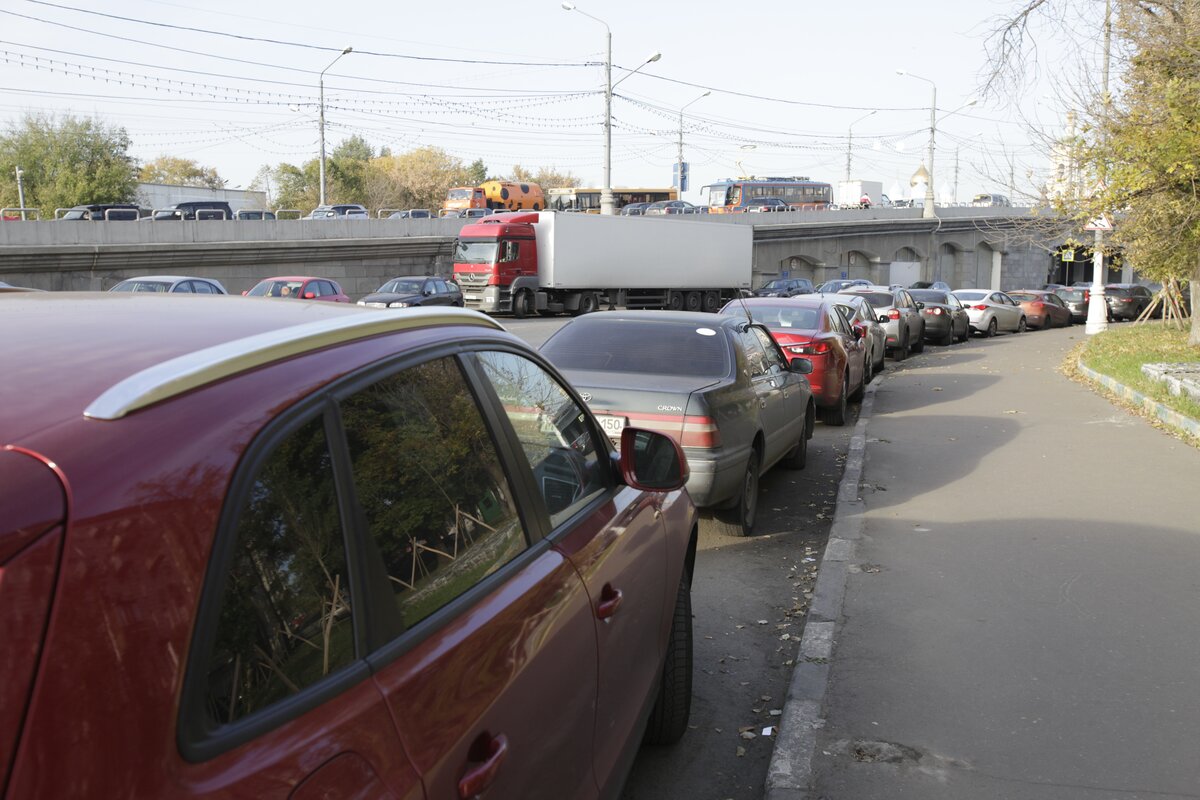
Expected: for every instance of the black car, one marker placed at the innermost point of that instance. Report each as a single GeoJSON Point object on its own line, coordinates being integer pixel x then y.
{"type": "Point", "coordinates": [785, 287]}
{"type": "Point", "coordinates": [735, 403]}
{"type": "Point", "coordinates": [633, 209]}
{"type": "Point", "coordinates": [766, 204]}
{"type": "Point", "coordinates": [411, 291]}
{"type": "Point", "coordinates": [110, 212]}
{"type": "Point", "coordinates": [946, 320]}
{"type": "Point", "coordinates": [195, 209]}
{"type": "Point", "coordinates": [1127, 300]}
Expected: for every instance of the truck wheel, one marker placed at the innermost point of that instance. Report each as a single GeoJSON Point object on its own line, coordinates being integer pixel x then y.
{"type": "Point", "coordinates": [692, 301]}
{"type": "Point", "coordinates": [675, 301]}
{"type": "Point", "coordinates": [712, 302]}
{"type": "Point", "coordinates": [521, 305]}
{"type": "Point", "coordinates": [587, 304]}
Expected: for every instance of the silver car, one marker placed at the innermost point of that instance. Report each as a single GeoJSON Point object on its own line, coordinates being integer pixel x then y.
{"type": "Point", "coordinates": [900, 316]}
{"type": "Point", "coordinates": [858, 310]}
{"type": "Point", "coordinates": [992, 311]}
{"type": "Point", "coordinates": [176, 284]}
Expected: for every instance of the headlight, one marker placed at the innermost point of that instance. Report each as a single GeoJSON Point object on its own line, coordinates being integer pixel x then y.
{"type": "Point", "coordinates": [398, 304]}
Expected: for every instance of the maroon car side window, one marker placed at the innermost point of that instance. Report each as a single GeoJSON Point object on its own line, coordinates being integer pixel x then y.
{"type": "Point", "coordinates": [285, 620]}
{"type": "Point", "coordinates": [553, 430]}
{"type": "Point", "coordinates": [430, 485]}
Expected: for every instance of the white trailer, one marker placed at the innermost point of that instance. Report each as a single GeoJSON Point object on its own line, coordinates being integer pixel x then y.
{"type": "Point", "coordinates": [850, 193]}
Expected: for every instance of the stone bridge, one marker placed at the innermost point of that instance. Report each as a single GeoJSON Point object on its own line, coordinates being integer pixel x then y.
{"type": "Point", "coordinates": [1003, 248]}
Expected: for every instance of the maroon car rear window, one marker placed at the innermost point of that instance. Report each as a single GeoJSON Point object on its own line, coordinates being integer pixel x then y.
{"type": "Point", "coordinates": [285, 619]}
{"type": "Point", "coordinates": [655, 348]}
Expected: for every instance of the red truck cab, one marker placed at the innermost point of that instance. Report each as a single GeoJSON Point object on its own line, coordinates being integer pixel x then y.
{"type": "Point", "coordinates": [496, 264]}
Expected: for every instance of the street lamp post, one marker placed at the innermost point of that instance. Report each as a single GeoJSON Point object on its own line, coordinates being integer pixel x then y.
{"type": "Point", "coordinates": [321, 118]}
{"type": "Point", "coordinates": [850, 139]}
{"type": "Point", "coordinates": [685, 105]}
{"type": "Point", "coordinates": [606, 198]}
{"type": "Point", "coordinates": [929, 211]}
{"type": "Point", "coordinates": [21, 192]}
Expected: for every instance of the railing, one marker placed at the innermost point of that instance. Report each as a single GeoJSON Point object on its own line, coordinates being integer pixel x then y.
{"type": "Point", "coordinates": [17, 213]}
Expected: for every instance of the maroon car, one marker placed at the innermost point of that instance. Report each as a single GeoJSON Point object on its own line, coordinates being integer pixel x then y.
{"type": "Point", "coordinates": [311, 550]}
{"type": "Point", "coordinates": [812, 327]}
{"type": "Point", "coordinates": [300, 287]}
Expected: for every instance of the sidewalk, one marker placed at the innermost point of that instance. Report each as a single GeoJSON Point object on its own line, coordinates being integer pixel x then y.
{"type": "Point", "coordinates": [1008, 605]}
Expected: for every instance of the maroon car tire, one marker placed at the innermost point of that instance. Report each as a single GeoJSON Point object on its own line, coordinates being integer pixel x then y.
{"type": "Point", "coordinates": [673, 706]}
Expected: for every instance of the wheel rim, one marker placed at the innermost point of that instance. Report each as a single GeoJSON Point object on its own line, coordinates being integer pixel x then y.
{"type": "Point", "coordinates": [991, 330]}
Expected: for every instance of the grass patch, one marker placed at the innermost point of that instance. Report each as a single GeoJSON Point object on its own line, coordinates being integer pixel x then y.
{"type": "Point", "coordinates": [1121, 351]}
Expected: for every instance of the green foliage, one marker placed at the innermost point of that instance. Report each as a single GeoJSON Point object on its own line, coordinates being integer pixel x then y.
{"type": "Point", "coordinates": [477, 172]}
{"type": "Point", "coordinates": [66, 162]}
{"type": "Point", "coordinates": [180, 172]}
{"type": "Point", "coordinates": [546, 177]}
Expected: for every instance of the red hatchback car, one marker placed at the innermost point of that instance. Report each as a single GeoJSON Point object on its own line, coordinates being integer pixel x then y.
{"type": "Point", "coordinates": [299, 287]}
{"type": "Point", "coordinates": [309, 550]}
{"type": "Point", "coordinates": [812, 327]}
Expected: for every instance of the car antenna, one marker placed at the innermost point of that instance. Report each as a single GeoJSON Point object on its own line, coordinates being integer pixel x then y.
{"type": "Point", "coordinates": [745, 308]}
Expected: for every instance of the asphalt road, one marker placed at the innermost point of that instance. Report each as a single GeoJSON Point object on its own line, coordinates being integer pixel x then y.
{"type": "Point", "coordinates": [748, 602]}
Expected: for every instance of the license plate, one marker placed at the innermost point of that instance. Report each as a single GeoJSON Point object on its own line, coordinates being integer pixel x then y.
{"type": "Point", "coordinates": [612, 426]}
{"type": "Point", "coordinates": [470, 296]}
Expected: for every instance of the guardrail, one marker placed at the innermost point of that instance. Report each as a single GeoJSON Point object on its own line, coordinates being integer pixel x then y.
{"type": "Point", "coordinates": [12, 214]}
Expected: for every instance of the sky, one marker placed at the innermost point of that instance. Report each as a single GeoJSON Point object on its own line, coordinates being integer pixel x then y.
{"type": "Point", "coordinates": [793, 87]}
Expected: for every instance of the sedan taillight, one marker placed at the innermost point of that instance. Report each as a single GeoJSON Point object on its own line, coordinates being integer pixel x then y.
{"type": "Point", "coordinates": [809, 349]}
{"type": "Point", "coordinates": [894, 314]}
{"type": "Point", "coordinates": [980, 307]}
{"type": "Point", "coordinates": [935, 311]}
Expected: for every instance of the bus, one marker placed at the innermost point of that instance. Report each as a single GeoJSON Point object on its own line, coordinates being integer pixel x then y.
{"type": "Point", "coordinates": [588, 200]}
{"type": "Point", "coordinates": [731, 195]}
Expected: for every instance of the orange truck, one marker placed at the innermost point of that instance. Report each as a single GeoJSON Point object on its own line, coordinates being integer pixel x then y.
{"type": "Point", "coordinates": [496, 195]}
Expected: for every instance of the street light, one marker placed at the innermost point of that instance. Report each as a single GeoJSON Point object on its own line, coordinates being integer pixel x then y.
{"type": "Point", "coordinates": [929, 210]}
{"type": "Point", "coordinates": [850, 139]}
{"type": "Point", "coordinates": [321, 124]}
{"type": "Point", "coordinates": [685, 105]}
{"type": "Point", "coordinates": [21, 192]}
{"type": "Point", "coordinates": [606, 198]}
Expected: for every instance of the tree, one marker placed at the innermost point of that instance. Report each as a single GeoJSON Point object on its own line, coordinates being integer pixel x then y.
{"type": "Point", "coordinates": [180, 172]}
{"type": "Point", "coordinates": [477, 172]}
{"type": "Point", "coordinates": [417, 179]}
{"type": "Point", "coordinates": [546, 177]}
{"type": "Point", "coordinates": [1145, 147]}
{"type": "Point", "coordinates": [66, 163]}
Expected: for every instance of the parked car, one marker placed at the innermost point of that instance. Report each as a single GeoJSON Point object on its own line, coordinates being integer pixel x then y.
{"type": "Point", "coordinates": [412, 213]}
{"type": "Point", "coordinates": [339, 211]}
{"type": "Point", "coordinates": [946, 321]}
{"type": "Point", "coordinates": [766, 204]}
{"type": "Point", "coordinates": [111, 212]}
{"type": "Point", "coordinates": [735, 403]}
{"type": "Point", "coordinates": [900, 316]}
{"type": "Point", "coordinates": [343, 556]}
{"type": "Point", "coordinates": [784, 287]}
{"type": "Point", "coordinates": [175, 284]}
{"type": "Point", "coordinates": [940, 286]}
{"type": "Point", "coordinates": [1127, 300]}
{"type": "Point", "coordinates": [633, 209]}
{"type": "Point", "coordinates": [254, 214]}
{"type": "Point", "coordinates": [5, 286]}
{"type": "Point", "coordinates": [838, 284]}
{"type": "Point", "coordinates": [408, 292]}
{"type": "Point", "coordinates": [194, 209]}
{"type": "Point", "coordinates": [299, 288]}
{"type": "Point", "coordinates": [1076, 300]}
{"type": "Point", "coordinates": [669, 207]}
{"type": "Point", "coordinates": [860, 314]}
{"type": "Point", "coordinates": [811, 327]}
{"type": "Point", "coordinates": [1042, 309]}
{"type": "Point", "coordinates": [992, 311]}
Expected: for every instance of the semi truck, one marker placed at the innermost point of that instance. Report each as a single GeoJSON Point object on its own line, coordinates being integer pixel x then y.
{"type": "Point", "coordinates": [496, 195]}
{"type": "Point", "coordinates": [850, 193]}
{"type": "Point", "coordinates": [552, 263]}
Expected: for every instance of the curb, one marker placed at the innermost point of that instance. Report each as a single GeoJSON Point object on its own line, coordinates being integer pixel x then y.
{"type": "Point", "coordinates": [1167, 416]}
{"type": "Point", "coordinates": [790, 770]}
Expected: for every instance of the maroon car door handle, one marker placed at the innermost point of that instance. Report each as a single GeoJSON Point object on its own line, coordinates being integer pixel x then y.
{"type": "Point", "coordinates": [490, 750]}
{"type": "Point", "coordinates": [610, 600]}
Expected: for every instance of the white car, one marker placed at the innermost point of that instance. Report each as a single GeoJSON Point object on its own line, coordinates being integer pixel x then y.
{"type": "Point", "coordinates": [992, 311]}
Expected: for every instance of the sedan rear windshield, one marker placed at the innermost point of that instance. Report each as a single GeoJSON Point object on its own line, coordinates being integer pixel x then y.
{"type": "Point", "coordinates": [1070, 294]}
{"type": "Point", "coordinates": [971, 295]}
{"type": "Point", "coordinates": [929, 296]}
{"type": "Point", "coordinates": [655, 348]}
{"type": "Point", "coordinates": [1022, 297]}
{"type": "Point", "coordinates": [878, 299]}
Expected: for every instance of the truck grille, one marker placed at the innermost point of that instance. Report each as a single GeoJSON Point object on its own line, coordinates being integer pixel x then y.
{"type": "Point", "coordinates": [471, 280]}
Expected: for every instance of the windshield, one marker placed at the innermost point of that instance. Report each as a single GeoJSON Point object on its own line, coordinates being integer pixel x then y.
{"type": "Point", "coordinates": [458, 194]}
{"type": "Point", "coordinates": [970, 295]}
{"type": "Point", "coordinates": [468, 252]}
{"type": "Point", "coordinates": [141, 286]}
{"type": "Point", "coordinates": [403, 287]}
{"type": "Point", "coordinates": [1070, 294]}
{"type": "Point", "coordinates": [647, 348]}
{"type": "Point", "coordinates": [716, 196]}
{"type": "Point", "coordinates": [280, 288]}
{"type": "Point", "coordinates": [76, 213]}
{"type": "Point", "coordinates": [928, 296]}
{"type": "Point", "coordinates": [777, 316]}
{"type": "Point", "coordinates": [1022, 297]}
{"type": "Point", "coordinates": [878, 299]}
